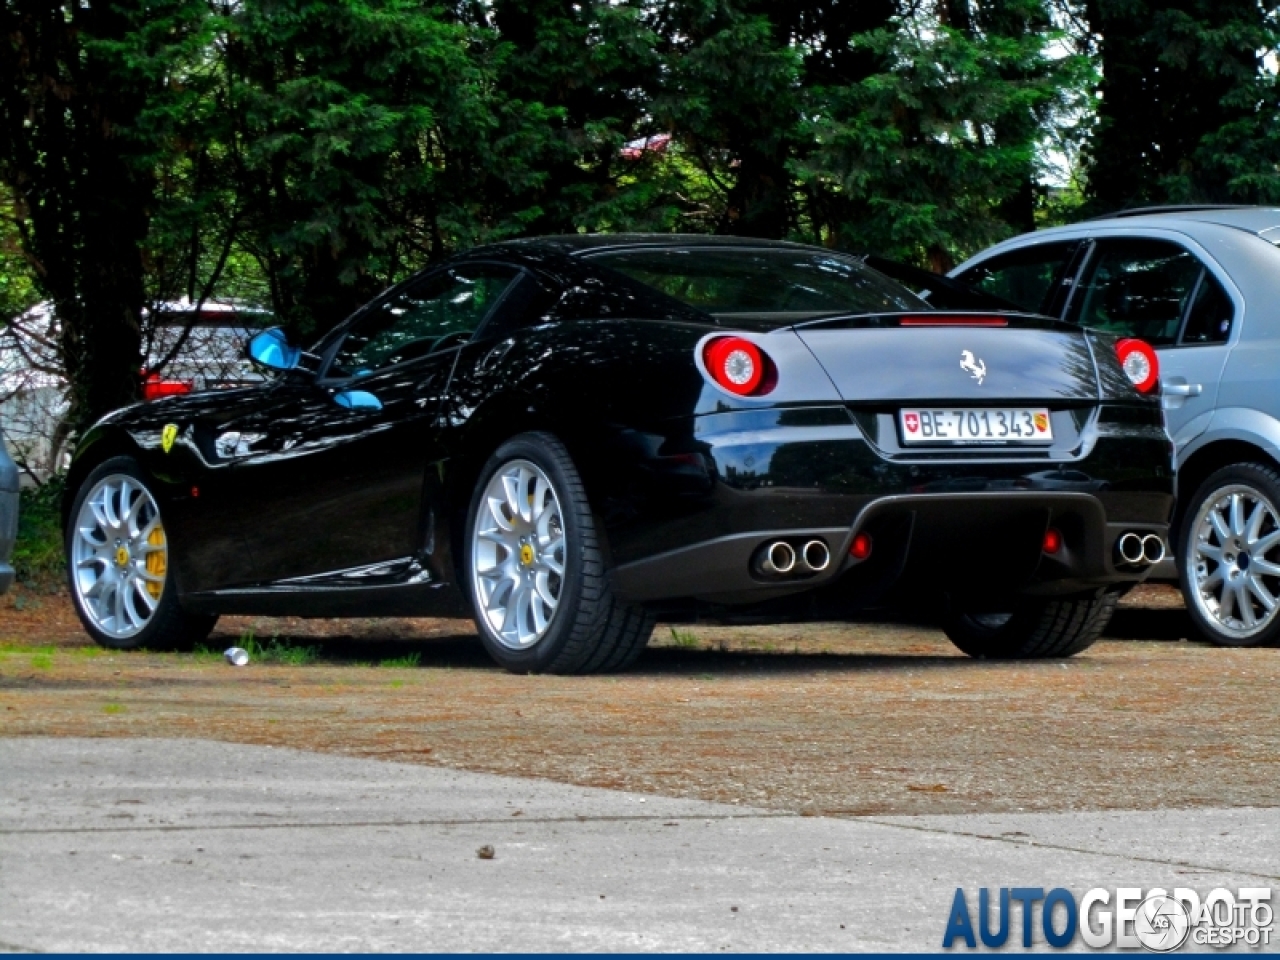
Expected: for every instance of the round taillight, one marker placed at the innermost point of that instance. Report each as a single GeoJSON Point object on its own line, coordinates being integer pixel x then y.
{"type": "Point", "coordinates": [738, 366]}
{"type": "Point", "coordinates": [1139, 363]}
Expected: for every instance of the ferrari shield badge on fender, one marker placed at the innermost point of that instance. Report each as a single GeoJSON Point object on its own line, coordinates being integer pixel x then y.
{"type": "Point", "coordinates": [167, 436]}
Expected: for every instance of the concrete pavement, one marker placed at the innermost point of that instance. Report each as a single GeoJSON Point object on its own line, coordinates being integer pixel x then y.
{"type": "Point", "coordinates": [188, 845]}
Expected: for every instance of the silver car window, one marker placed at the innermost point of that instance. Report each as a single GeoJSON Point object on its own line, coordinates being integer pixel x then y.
{"type": "Point", "coordinates": [1137, 287]}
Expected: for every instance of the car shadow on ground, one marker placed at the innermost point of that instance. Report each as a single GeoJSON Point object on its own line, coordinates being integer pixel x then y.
{"type": "Point", "coordinates": [1148, 623]}
{"type": "Point", "coordinates": [465, 652]}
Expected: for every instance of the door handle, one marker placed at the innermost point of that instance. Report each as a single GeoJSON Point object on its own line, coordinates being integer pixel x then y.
{"type": "Point", "coordinates": [1182, 389]}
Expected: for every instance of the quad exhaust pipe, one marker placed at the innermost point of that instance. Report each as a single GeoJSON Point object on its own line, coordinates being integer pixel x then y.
{"type": "Point", "coordinates": [1140, 549]}
{"type": "Point", "coordinates": [815, 556]}
{"type": "Point", "coordinates": [781, 559]}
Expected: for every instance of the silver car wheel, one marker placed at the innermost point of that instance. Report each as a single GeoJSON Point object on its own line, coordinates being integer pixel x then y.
{"type": "Point", "coordinates": [518, 554]}
{"type": "Point", "coordinates": [1233, 561]}
{"type": "Point", "coordinates": [119, 556]}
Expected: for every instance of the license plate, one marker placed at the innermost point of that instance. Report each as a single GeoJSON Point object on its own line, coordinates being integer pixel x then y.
{"type": "Point", "coordinates": [977, 426]}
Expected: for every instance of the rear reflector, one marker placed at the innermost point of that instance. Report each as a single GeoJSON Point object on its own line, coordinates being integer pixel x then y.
{"type": "Point", "coordinates": [1052, 541]}
{"type": "Point", "coordinates": [860, 549]}
{"type": "Point", "coordinates": [1140, 363]}
{"type": "Point", "coordinates": [953, 321]}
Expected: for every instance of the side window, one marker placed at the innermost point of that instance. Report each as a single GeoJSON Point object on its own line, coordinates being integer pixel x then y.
{"type": "Point", "coordinates": [1137, 288]}
{"type": "Point", "coordinates": [1211, 314]}
{"type": "Point", "coordinates": [1028, 278]}
{"type": "Point", "coordinates": [440, 311]}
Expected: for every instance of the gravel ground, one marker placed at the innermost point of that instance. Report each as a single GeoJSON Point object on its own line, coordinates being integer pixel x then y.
{"type": "Point", "coordinates": [823, 719]}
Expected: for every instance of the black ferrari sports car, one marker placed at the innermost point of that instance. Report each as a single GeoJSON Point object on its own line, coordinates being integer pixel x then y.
{"type": "Point", "coordinates": [570, 436]}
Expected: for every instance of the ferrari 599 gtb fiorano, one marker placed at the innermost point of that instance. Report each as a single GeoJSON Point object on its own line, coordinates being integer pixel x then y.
{"type": "Point", "coordinates": [568, 437]}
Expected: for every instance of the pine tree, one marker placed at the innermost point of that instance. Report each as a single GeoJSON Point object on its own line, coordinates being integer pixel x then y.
{"type": "Point", "coordinates": [1187, 113]}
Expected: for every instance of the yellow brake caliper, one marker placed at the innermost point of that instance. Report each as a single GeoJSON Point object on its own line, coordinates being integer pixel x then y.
{"type": "Point", "coordinates": [157, 561]}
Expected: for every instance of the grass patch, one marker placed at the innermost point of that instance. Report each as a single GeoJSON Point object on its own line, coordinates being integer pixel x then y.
{"type": "Point", "coordinates": [407, 662]}
{"type": "Point", "coordinates": [685, 639]}
{"type": "Point", "coordinates": [42, 661]}
{"type": "Point", "coordinates": [37, 554]}
{"type": "Point", "coordinates": [113, 708]}
{"type": "Point", "coordinates": [274, 650]}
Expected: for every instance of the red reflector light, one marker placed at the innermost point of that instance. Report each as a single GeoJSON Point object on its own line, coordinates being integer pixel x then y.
{"type": "Point", "coordinates": [739, 366]}
{"type": "Point", "coordinates": [153, 388]}
{"type": "Point", "coordinates": [953, 321]}
{"type": "Point", "coordinates": [860, 549]}
{"type": "Point", "coordinates": [1052, 541]}
{"type": "Point", "coordinates": [1140, 363]}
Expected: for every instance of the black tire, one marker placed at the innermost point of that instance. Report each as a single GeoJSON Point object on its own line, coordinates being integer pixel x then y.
{"type": "Point", "coordinates": [1264, 482]}
{"type": "Point", "coordinates": [168, 627]}
{"type": "Point", "coordinates": [1036, 629]}
{"type": "Point", "coordinates": [590, 631]}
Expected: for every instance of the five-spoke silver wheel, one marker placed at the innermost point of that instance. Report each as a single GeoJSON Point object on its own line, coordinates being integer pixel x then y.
{"type": "Point", "coordinates": [518, 554]}
{"type": "Point", "coordinates": [119, 556]}
{"type": "Point", "coordinates": [1234, 561]}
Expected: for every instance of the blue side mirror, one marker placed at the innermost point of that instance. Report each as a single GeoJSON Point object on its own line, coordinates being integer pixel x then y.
{"type": "Point", "coordinates": [357, 400]}
{"type": "Point", "coordinates": [271, 349]}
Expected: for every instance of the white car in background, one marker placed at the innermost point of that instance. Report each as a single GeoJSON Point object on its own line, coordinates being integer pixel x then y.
{"type": "Point", "coordinates": [204, 345]}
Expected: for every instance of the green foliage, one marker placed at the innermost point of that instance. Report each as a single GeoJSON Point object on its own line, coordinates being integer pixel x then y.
{"type": "Point", "coordinates": [925, 160]}
{"type": "Point", "coordinates": [38, 559]}
{"type": "Point", "coordinates": [278, 650]}
{"type": "Point", "coordinates": [1188, 112]}
{"type": "Point", "coordinates": [685, 639]}
{"type": "Point", "coordinates": [307, 154]}
{"type": "Point", "coordinates": [407, 662]}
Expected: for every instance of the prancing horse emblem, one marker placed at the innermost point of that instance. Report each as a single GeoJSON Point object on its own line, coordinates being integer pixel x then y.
{"type": "Point", "coordinates": [975, 368]}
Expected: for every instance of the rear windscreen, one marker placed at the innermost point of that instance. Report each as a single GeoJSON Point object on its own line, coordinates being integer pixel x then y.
{"type": "Point", "coordinates": [788, 286]}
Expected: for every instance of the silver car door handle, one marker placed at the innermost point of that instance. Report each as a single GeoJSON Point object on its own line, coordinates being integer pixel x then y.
{"type": "Point", "coordinates": [1183, 389]}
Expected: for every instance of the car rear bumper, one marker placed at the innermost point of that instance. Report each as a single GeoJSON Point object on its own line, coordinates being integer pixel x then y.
{"type": "Point", "coordinates": [975, 545]}
{"type": "Point", "coordinates": [971, 524]}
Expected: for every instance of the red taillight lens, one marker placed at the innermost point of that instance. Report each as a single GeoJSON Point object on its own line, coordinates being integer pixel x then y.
{"type": "Point", "coordinates": [1140, 363]}
{"type": "Point", "coordinates": [1052, 541]}
{"type": "Point", "coordinates": [739, 366]}
{"type": "Point", "coordinates": [153, 387]}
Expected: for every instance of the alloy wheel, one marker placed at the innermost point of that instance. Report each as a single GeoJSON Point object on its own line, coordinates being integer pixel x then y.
{"type": "Point", "coordinates": [1234, 561]}
{"type": "Point", "coordinates": [518, 554]}
{"type": "Point", "coordinates": [119, 556]}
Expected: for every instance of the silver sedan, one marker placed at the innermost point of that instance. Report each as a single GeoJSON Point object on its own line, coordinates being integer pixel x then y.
{"type": "Point", "coordinates": [1201, 285]}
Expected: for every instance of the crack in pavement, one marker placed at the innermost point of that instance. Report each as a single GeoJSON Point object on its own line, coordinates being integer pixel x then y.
{"type": "Point", "coordinates": [636, 818]}
{"type": "Point", "coordinates": [296, 825]}
{"type": "Point", "coordinates": [1199, 868]}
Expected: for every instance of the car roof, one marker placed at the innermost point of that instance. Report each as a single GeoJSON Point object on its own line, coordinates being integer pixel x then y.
{"type": "Point", "coordinates": [577, 244]}
{"type": "Point", "coordinates": [1257, 220]}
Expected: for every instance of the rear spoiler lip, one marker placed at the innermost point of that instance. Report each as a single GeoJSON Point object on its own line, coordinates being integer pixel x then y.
{"type": "Point", "coordinates": [891, 320]}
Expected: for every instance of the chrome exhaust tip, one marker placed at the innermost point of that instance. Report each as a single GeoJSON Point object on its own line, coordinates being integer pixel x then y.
{"type": "Point", "coordinates": [1130, 547]}
{"type": "Point", "coordinates": [816, 556]}
{"type": "Point", "coordinates": [779, 558]}
{"type": "Point", "coordinates": [1152, 548]}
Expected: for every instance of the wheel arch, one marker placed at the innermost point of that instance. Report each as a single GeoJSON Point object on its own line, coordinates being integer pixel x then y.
{"type": "Point", "coordinates": [1205, 461]}
{"type": "Point", "coordinates": [493, 425]}
{"type": "Point", "coordinates": [99, 444]}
